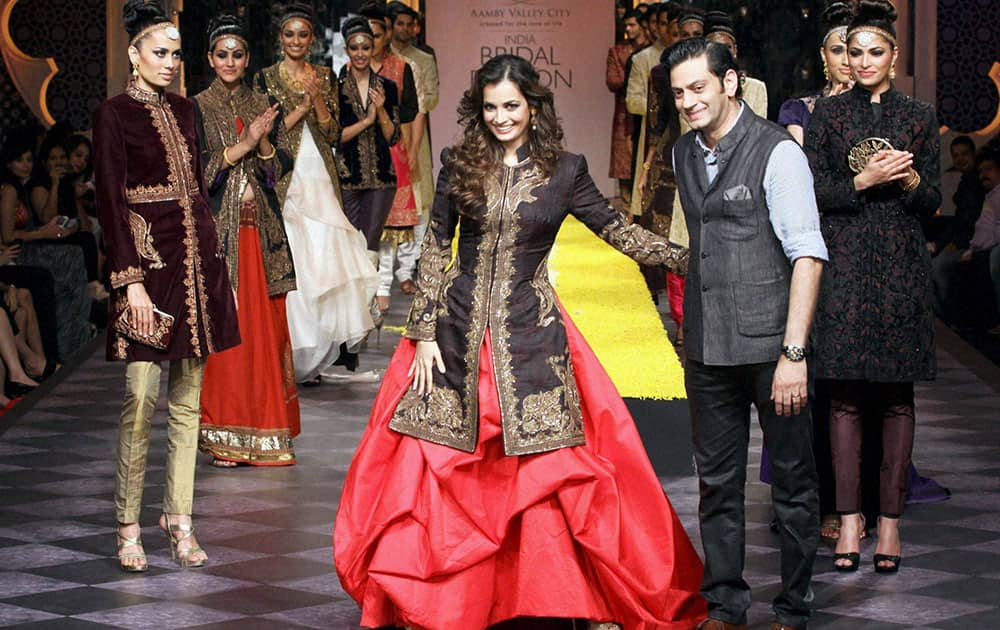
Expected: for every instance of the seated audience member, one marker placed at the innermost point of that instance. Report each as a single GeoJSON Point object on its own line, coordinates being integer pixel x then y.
{"type": "Point", "coordinates": [52, 194]}
{"type": "Point", "coordinates": [968, 200]}
{"type": "Point", "coordinates": [40, 247]}
{"type": "Point", "coordinates": [983, 250]}
{"type": "Point", "coordinates": [38, 290]}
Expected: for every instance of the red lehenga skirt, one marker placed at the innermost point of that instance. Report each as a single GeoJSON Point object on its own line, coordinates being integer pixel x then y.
{"type": "Point", "coordinates": [403, 213]}
{"type": "Point", "coordinates": [431, 537]}
{"type": "Point", "coordinates": [249, 402]}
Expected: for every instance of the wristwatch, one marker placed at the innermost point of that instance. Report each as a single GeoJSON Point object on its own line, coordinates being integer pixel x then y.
{"type": "Point", "coordinates": [794, 353]}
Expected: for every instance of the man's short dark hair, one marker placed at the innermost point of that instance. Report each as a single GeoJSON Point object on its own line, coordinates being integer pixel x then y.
{"type": "Point", "coordinates": [673, 10]}
{"type": "Point", "coordinates": [720, 60]}
{"type": "Point", "coordinates": [395, 9]}
{"type": "Point", "coordinates": [633, 14]}
{"type": "Point", "coordinates": [987, 154]}
{"type": "Point", "coordinates": [966, 140]}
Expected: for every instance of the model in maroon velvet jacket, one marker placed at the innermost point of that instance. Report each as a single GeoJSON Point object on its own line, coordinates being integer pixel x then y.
{"type": "Point", "coordinates": [158, 225]}
{"type": "Point", "coordinates": [163, 252]}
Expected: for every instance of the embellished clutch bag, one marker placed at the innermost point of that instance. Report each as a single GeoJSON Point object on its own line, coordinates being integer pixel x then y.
{"type": "Point", "coordinates": [163, 326]}
{"type": "Point", "coordinates": [863, 151]}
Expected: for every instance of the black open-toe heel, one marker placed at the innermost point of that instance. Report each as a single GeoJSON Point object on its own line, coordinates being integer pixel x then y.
{"type": "Point", "coordinates": [881, 557]}
{"type": "Point", "coordinates": [853, 558]}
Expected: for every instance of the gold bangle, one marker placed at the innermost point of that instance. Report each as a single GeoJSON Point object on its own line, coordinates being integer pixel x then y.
{"type": "Point", "coordinates": [225, 156]}
{"type": "Point", "coordinates": [328, 118]}
{"type": "Point", "coordinates": [912, 182]}
{"type": "Point", "coordinates": [274, 152]}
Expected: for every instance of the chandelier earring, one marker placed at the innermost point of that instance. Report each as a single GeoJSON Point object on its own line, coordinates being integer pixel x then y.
{"type": "Point", "coordinates": [135, 70]}
{"type": "Point", "coordinates": [826, 70]}
{"type": "Point", "coordinates": [892, 71]}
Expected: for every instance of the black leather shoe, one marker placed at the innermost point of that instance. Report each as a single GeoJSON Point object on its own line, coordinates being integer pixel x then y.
{"type": "Point", "coordinates": [853, 558]}
{"type": "Point", "coordinates": [881, 557]}
{"type": "Point", "coordinates": [16, 390]}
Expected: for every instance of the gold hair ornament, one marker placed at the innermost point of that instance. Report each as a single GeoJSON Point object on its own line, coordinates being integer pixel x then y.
{"type": "Point", "coordinates": [839, 31]}
{"type": "Point", "coordinates": [866, 35]}
{"type": "Point", "coordinates": [168, 27]}
{"type": "Point", "coordinates": [360, 38]}
{"type": "Point", "coordinates": [230, 43]}
{"type": "Point", "coordinates": [865, 150]}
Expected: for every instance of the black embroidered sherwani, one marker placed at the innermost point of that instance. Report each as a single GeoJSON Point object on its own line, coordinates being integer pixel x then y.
{"type": "Point", "coordinates": [499, 279]}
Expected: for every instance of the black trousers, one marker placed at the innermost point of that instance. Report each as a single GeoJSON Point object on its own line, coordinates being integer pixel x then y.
{"type": "Point", "coordinates": [368, 210]}
{"type": "Point", "coordinates": [720, 398]}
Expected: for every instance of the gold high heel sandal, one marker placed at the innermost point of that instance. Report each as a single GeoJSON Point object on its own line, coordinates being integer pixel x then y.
{"type": "Point", "coordinates": [136, 542]}
{"type": "Point", "coordinates": [182, 556]}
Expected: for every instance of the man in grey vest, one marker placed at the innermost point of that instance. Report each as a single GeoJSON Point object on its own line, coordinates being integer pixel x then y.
{"type": "Point", "coordinates": [756, 259]}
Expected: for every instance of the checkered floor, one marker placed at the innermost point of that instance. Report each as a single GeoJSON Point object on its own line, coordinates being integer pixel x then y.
{"type": "Point", "coordinates": [267, 530]}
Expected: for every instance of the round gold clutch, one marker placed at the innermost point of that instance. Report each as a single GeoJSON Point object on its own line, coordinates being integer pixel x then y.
{"type": "Point", "coordinates": [864, 150]}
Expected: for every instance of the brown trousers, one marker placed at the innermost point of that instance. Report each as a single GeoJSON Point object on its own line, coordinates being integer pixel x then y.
{"type": "Point", "coordinates": [850, 401]}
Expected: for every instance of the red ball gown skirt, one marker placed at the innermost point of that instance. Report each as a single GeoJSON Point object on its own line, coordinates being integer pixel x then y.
{"type": "Point", "coordinates": [249, 402]}
{"type": "Point", "coordinates": [432, 537]}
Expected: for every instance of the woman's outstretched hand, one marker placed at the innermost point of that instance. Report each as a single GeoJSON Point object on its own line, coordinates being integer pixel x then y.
{"type": "Point", "coordinates": [428, 354]}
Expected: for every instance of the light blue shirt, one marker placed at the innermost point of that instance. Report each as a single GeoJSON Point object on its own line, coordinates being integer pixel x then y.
{"type": "Point", "coordinates": [791, 199]}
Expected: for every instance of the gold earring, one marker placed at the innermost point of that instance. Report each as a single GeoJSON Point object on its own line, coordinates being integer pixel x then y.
{"type": "Point", "coordinates": [135, 70]}
{"type": "Point", "coordinates": [826, 70]}
{"type": "Point", "coordinates": [892, 71]}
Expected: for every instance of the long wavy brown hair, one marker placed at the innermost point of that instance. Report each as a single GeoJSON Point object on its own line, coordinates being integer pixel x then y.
{"type": "Point", "coordinates": [479, 153]}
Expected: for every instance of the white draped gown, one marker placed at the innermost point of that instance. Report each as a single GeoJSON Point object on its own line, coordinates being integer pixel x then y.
{"type": "Point", "coordinates": [335, 277]}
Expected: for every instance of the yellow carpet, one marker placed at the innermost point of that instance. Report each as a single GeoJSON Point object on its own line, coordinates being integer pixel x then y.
{"type": "Point", "coordinates": [606, 295]}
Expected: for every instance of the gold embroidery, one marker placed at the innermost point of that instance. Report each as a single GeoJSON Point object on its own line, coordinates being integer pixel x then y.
{"type": "Point", "coordinates": [120, 349]}
{"type": "Point", "coordinates": [219, 108]}
{"type": "Point", "coordinates": [247, 445]}
{"type": "Point", "coordinates": [152, 194]}
{"type": "Point", "coordinates": [644, 246]}
{"type": "Point", "coordinates": [553, 415]}
{"type": "Point", "coordinates": [512, 196]}
{"type": "Point", "coordinates": [144, 240]}
{"type": "Point", "coordinates": [434, 257]}
{"type": "Point", "coordinates": [179, 174]}
{"type": "Point", "coordinates": [289, 100]}
{"type": "Point", "coordinates": [436, 417]}
{"type": "Point", "coordinates": [366, 142]}
{"type": "Point", "coordinates": [546, 296]}
{"type": "Point", "coordinates": [126, 276]}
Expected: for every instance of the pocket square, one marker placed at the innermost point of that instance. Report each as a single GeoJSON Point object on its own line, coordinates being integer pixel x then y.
{"type": "Point", "coordinates": [737, 193]}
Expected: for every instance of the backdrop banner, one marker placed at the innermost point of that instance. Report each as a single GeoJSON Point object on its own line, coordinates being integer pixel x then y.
{"type": "Point", "coordinates": [566, 40]}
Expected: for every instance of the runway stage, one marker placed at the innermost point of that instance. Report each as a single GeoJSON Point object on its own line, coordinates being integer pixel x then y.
{"type": "Point", "coordinates": [267, 530]}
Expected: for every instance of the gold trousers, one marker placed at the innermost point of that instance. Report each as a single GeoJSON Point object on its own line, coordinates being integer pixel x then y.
{"type": "Point", "coordinates": [142, 388]}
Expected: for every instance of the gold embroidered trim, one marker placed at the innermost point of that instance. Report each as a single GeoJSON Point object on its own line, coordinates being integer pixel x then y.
{"type": "Point", "coordinates": [434, 258]}
{"type": "Point", "coordinates": [144, 240]}
{"type": "Point", "coordinates": [180, 176]}
{"type": "Point", "coordinates": [552, 419]}
{"type": "Point", "coordinates": [513, 195]}
{"type": "Point", "coordinates": [436, 417]}
{"type": "Point", "coordinates": [151, 194]}
{"type": "Point", "coordinates": [644, 246]}
{"type": "Point", "coordinates": [546, 296]}
{"type": "Point", "coordinates": [126, 276]}
{"type": "Point", "coordinates": [119, 350]}
{"type": "Point", "coordinates": [247, 445]}
{"type": "Point", "coordinates": [330, 133]}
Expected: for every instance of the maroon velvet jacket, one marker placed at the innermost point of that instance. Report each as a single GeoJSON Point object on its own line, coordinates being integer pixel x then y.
{"type": "Point", "coordinates": [158, 226]}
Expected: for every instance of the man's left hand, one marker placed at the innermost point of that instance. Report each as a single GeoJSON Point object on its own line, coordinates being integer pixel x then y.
{"type": "Point", "coordinates": [789, 390]}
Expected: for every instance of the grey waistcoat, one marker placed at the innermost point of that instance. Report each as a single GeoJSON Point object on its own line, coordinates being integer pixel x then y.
{"type": "Point", "coordinates": [736, 299]}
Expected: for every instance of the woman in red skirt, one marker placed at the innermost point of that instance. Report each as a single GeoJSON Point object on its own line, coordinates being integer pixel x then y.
{"type": "Point", "coordinates": [501, 475]}
{"type": "Point", "coordinates": [250, 405]}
